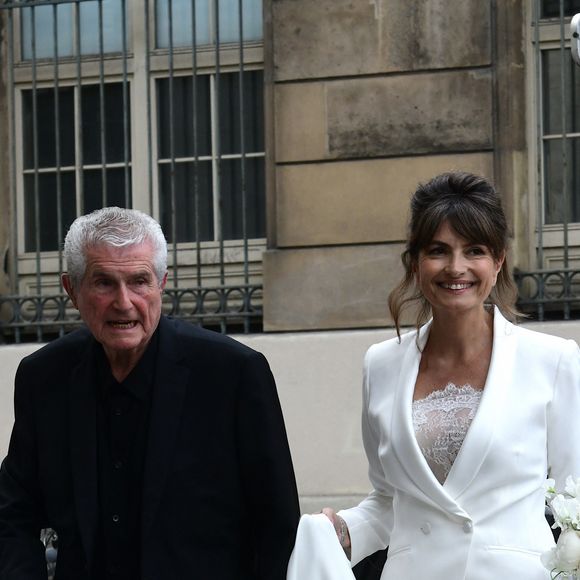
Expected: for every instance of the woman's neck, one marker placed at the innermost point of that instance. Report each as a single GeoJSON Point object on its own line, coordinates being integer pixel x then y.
{"type": "Point", "coordinates": [461, 336]}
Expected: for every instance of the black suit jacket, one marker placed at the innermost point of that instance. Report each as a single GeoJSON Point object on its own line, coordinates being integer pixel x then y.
{"type": "Point", "coordinates": [219, 494]}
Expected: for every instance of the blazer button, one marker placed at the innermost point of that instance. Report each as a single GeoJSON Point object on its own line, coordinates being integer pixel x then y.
{"type": "Point", "coordinates": [467, 527]}
{"type": "Point", "coordinates": [426, 528]}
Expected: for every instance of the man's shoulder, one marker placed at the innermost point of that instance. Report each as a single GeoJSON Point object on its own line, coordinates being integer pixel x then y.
{"type": "Point", "coordinates": [67, 348]}
{"type": "Point", "coordinates": [189, 335]}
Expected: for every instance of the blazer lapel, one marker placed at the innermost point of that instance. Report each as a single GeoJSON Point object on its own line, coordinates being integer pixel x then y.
{"type": "Point", "coordinates": [480, 434]}
{"type": "Point", "coordinates": [405, 445]}
{"type": "Point", "coordinates": [83, 438]}
{"type": "Point", "coordinates": [171, 377]}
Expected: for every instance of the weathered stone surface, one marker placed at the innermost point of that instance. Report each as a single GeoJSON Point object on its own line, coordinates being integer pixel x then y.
{"type": "Point", "coordinates": [332, 287]}
{"type": "Point", "coordinates": [330, 38]}
{"type": "Point", "coordinates": [401, 115]}
{"type": "Point", "coordinates": [353, 202]}
{"type": "Point", "coordinates": [425, 113]}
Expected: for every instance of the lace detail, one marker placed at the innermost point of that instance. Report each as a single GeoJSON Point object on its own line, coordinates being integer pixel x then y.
{"type": "Point", "coordinates": [441, 421]}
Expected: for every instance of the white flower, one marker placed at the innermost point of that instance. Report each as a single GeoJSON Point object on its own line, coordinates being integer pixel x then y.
{"type": "Point", "coordinates": [565, 556]}
{"type": "Point", "coordinates": [566, 511]}
{"type": "Point", "coordinates": [573, 486]}
{"type": "Point", "coordinates": [550, 489]}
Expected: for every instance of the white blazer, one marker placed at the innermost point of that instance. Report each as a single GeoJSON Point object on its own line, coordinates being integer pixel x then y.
{"type": "Point", "coordinates": [487, 520]}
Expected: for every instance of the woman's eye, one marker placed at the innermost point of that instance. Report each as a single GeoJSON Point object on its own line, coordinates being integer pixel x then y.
{"type": "Point", "coordinates": [477, 251]}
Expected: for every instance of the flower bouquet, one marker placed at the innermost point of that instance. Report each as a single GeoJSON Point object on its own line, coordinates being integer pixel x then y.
{"type": "Point", "coordinates": [563, 560]}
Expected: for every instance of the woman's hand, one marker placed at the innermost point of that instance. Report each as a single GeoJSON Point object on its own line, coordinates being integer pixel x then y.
{"type": "Point", "coordinates": [340, 528]}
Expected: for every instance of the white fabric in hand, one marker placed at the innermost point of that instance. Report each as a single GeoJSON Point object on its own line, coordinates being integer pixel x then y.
{"type": "Point", "coordinates": [317, 554]}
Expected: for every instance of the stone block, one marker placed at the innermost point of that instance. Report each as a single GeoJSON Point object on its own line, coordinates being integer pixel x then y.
{"type": "Point", "coordinates": [330, 287]}
{"type": "Point", "coordinates": [384, 116]}
{"type": "Point", "coordinates": [353, 202]}
{"type": "Point", "coordinates": [410, 114]}
{"type": "Point", "coordinates": [333, 38]}
{"type": "Point", "coordinates": [300, 122]}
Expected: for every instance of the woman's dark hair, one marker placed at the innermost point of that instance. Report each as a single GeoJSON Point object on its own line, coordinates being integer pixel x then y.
{"type": "Point", "coordinates": [472, 207]}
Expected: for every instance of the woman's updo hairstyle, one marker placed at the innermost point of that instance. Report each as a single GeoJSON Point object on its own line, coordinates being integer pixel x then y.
{"type": "Point", "coordinates": [474, 211]}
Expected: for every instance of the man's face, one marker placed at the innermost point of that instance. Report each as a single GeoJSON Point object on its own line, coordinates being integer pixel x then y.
{"type": "Point", "coordinates": [119, 298]}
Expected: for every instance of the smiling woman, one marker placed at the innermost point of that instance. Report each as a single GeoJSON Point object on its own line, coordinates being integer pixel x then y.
{"type": "Point", "coordinates": [463, 406]}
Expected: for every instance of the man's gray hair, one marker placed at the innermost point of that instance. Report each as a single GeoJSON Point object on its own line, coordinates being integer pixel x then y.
{"type": "Point", "coordinates": [117, 227]}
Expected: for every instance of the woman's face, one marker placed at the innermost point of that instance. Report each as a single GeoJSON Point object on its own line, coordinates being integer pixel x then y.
{"type": "Point", "coordinates": [455, 274]}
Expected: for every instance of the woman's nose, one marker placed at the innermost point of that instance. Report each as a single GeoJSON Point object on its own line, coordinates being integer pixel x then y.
{"type": "Point", "coordinates": [456, 265]}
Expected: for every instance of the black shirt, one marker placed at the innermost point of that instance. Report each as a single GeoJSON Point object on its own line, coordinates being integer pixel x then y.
{"type": "Point", "coordinates": [122, 427]}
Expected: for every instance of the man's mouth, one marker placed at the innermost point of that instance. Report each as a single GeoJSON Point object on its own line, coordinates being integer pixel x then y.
{"type": "Point", "coordinates": [123, 324]}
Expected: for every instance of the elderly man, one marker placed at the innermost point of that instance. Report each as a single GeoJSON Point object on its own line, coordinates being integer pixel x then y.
{"type": "Point", "coordinates": [156, 450]}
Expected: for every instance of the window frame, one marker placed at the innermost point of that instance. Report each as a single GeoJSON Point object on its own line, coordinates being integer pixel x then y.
{"type": "Point", "coordinates": [544, 240]}
{"type": "Point", "coordinates": [141, 66]}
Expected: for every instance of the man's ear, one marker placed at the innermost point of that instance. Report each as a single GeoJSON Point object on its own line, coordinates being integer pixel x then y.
{"type": "Point", "coordinates": [163, 282]}
{"type": "Point", "coordinates": [69, 289]}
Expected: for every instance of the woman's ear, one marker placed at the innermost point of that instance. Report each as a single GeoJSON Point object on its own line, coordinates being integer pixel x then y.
{"type": "Point", "coordinates": [498, 265]}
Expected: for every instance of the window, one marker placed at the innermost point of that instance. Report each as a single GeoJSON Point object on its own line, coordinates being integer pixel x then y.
{"type": "Point", "coordinates": [120, 103]}
{"type": "Point", "coordinates": [558, 83]}
{"type": "Point", "coordinates": [209, 168]}
{"type": "Point", "coordinates": [52, 176]}
{"type": "Point", "coordinates": [556, 208]}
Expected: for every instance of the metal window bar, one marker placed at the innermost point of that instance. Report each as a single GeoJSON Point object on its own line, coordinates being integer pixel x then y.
{"type": "Point", "coordinates": [43, 314]}
{"type": "Point", "coordinates": [551, 293]}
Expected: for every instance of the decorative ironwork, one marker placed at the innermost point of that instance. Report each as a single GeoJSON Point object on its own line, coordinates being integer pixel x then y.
{"type": "Point", "coordinates": [549, 293]}
{"type": "Point", "coordinates": [223, 308]}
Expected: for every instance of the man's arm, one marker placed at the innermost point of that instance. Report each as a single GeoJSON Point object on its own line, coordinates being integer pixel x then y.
{"type": "Point", "coordinates": [267, 471]}
{"type": "Point", "coordinates": [22, 554]}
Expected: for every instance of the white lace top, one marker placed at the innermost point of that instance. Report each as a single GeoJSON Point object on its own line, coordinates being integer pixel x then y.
{"type": "Point", "coordinates": [441, 421]}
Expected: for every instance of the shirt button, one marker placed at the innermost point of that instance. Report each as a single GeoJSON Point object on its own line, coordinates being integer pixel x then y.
{"type": "Point", "coordinates": [467, 527]}
{"type": "Point", "coordinates": [118, 464]}
{"type": "Point", "coordinates": [115, 518]}
{"type": "Point", "coordinates": [426, 528]}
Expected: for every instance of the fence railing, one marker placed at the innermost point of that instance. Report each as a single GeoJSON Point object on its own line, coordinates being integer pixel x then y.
{"type": "Point", "coordinates": [225, 308]}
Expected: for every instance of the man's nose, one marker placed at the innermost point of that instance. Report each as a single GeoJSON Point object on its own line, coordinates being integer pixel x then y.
{"type": "Point", "coordinates": [122, 297]}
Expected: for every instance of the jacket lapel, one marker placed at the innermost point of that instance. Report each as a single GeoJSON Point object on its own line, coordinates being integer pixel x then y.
{"type": "Point", "coordinates": [83, 438]}
{"type": "Point", "coordinates": [405, 446]}
{"type": "Point", "coordinates": [480, 434]}
{"type": "Point", "coordinates": [171, 377]}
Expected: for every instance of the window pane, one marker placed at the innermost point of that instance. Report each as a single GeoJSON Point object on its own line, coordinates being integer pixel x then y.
{"type": "Point", "coordinates": [112, 26]}
{"type": "Point", "coordinates": [232, 199]}
{"type": "Point", "coordinates": [229, 20]}
{"type": "Point", "coordinates": [551, 8]}
{"type": "Point", "coordinates": [230, 114]}
{"type": "Point", "coordinates": [182, 122]}
{"type": "Point", "coordinates": [554, 205]}
{"type": "Point", "coordinates": [43, 17]}
{"type": "Point", "coordinates": [50, 238]}
{"type": "Point", "coordinates": [181, 22]}
{"type": "Point", "coordinates": [45, 126]}
{"type": "Point", "coordinates": [205, 25]}
{"type": "Point", "coordinates": [115, 113]}
{"type": "Point", "coordinates": [43, 37]}
{"type": "Point", "coordinates": [93, 189]}
{"type": "Point", "coordinates": [187, 187]}
{"type": "Point", "coordinates": [552, 96]}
